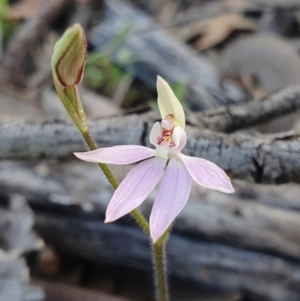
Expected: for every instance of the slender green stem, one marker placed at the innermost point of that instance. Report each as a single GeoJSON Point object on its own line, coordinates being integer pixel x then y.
{"type": "Point", "coordinates": [72, 102]}
{"type": "Point", "coordinates": [140, 219]}
{"type": "Point", "coordinates": [159, 260]}
{"type": "Point", "coordinates": [107, 172]}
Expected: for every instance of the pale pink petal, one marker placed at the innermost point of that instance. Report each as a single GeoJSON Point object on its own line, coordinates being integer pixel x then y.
{"type": "Point", "coordinates": [134, 189]}
{"type": "Point", "coordinates": [120, 155]}
{"type": "Point", "coordinates": [207, 174]}
{"type": "Point", "coordinates": [172, 195]}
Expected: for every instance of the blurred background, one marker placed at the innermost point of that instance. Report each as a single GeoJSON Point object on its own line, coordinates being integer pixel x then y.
{"type": "Point", "coordinates": [219, 56]}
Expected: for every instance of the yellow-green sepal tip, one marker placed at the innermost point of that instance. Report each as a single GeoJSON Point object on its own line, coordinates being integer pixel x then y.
{"type": "Point", "coordinates": [168, 103]}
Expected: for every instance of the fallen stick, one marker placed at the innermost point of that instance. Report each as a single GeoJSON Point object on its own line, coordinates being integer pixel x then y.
{"type": "Point", "coordinates": [265, 224]}
{"type": "Point", "coordinates": [261, 276]}
{"type": "Point", "coordinates": [55, 291]}
{"type": "Point", "coordinates": [236, 117]}
{"type": "Point", "coordinates": [262, 158]}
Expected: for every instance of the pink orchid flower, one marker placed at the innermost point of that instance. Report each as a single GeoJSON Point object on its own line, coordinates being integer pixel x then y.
{"type": "Point", "coordinates": [178, 170]}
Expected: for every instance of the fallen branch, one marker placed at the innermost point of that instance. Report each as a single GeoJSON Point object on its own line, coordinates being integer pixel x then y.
{"type": "Point", "coordinates": [235, 117]}
{"type": "Point", "coordinates": [262, 159]}
{"type": "Point", "coordinates": [253, 242]}
{"type": "Point", "coordinates": [263, 277]}
{"type": "Point", "coordinates": [268, 224]}
{"type": "Point", "coordinates": [55, 291]}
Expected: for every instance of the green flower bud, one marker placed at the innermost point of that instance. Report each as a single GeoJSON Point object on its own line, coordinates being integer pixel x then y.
{"type": "Point", "coordinates": [69, 57]}
{"type": "Point", "coordinates": [68, 62]}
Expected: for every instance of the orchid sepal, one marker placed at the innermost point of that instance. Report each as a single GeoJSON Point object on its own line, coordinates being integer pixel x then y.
{"type": "Point", "coordinates": [168, 103]}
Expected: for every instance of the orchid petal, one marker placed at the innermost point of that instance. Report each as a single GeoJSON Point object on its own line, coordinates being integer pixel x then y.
{"type": "Point", "coordinates": [134, 189]}
{"type": "Point", "coordinates": [168, 102]}
{"type": "Point", "coordinates": [155, 133]}
{"type": "Point", "coordinates": [172, 195]}
{"type": "Point", "coordinates": [179, 137]}
{"type": "Point", "coordinates": [121, 155]}
{"type": "Point", "coordinates": [207, 174]}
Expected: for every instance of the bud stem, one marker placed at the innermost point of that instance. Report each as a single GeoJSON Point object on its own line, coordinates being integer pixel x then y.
{"type": "Point", "coordinates": [71, 100]}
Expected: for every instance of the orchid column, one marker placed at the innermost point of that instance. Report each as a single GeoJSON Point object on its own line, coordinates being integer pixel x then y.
{"type": "Point", "coordinates": [166, 162]}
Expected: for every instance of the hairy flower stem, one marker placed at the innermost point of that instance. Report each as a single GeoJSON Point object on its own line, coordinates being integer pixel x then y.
{"type": "Point", "coordinates": [158, 248]}
{"type": "Point", "coordinates": [139, 218]}
{"type": "Point", "coordinates": [93, 146]}
{"type": "Point", "coordinates": [159, 260]}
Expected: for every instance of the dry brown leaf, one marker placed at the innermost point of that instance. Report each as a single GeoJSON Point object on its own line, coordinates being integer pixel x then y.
{"type": "Point", "coordinates": [256, 90]}
{"type": "Point", "coordinates": [213, 30]}
{"type": "Point", "coordinates": [217, 29]}
{"type": "Point", "coordinates": [24, 10]}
